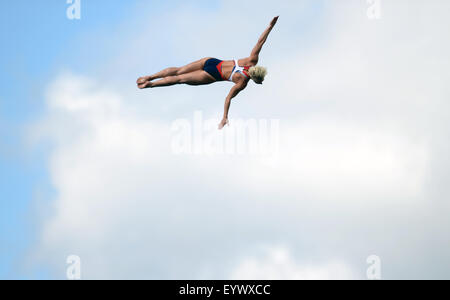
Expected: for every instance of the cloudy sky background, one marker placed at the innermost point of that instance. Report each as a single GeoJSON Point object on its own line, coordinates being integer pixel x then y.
{"type": "Point", "coordinates": [87, 168]}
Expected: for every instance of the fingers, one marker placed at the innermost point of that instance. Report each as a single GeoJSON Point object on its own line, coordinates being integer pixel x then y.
{"type": "Point", "coordinates": [223, 124]}
{"type": "Point", "coordinates": [274, 21]}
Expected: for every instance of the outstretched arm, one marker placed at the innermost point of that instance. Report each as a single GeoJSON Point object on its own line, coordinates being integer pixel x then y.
{"type": "Point", "coordinates": [254, 56]}
{"type": "Point", "coordinates": [233, 93]}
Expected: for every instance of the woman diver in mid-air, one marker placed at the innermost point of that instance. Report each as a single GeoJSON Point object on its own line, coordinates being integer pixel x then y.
{"type": "Point", "coordinates": [209, 70]}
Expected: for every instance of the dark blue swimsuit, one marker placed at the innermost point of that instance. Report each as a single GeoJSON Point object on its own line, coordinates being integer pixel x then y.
{"type": "Point", "coordinates": [213, 67]}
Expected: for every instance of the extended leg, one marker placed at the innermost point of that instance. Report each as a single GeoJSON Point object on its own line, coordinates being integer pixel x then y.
{"type": "Point", "coordinates": [193, 78]}
{"type": "Point", "coordinates": [195, 66]}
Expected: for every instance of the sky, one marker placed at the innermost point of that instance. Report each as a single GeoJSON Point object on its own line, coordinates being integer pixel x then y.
{"type": "Point", "coordinates": [87, 166]}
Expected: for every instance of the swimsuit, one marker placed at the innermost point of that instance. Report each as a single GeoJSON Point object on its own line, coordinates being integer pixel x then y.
{"type": "Point", "coordinates": [238, 69]}
{"type": "Point", "coordinates": [213, 67]}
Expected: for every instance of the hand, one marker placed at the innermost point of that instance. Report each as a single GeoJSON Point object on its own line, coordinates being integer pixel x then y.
{"type": "Point", "coordinates": [223, 123]}
{"type": "Point", "coordinates": [274, 21]}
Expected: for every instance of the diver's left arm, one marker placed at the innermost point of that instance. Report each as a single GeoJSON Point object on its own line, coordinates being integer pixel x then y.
{"type": "Point", "coordinates": [254, 56]}
{"type": "Point", "coordinates": [233, 93]}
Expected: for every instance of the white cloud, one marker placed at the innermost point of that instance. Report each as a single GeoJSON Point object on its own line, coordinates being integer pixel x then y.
{"type": "Point", "coordinates": [356, 157]}
{"type": "Point", "coordinates": [278, 264]}
{"type": "Point", "coordinates": [353, 161]}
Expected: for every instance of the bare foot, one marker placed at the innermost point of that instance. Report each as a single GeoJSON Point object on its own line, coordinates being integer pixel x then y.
{"type": "Point", "coordinates": [145, 85]}
{"type": "Point", "coordinates": [144, 79]}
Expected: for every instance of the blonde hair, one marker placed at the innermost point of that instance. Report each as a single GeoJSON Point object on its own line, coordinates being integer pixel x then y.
{"type": "Point", "coordinates": [258, 74]}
